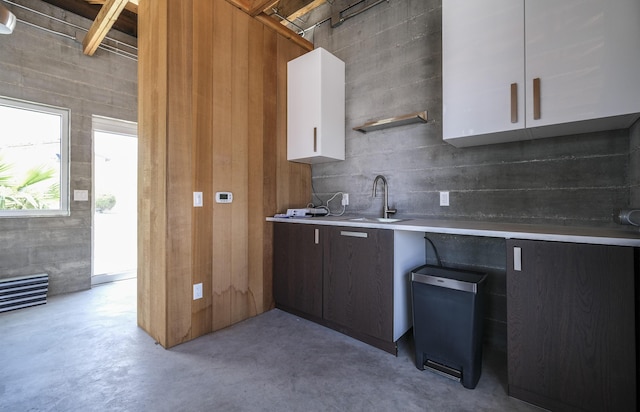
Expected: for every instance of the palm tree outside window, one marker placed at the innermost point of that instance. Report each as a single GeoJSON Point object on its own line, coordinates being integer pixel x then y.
{"type": "Point", "coordinates": [34, 142]}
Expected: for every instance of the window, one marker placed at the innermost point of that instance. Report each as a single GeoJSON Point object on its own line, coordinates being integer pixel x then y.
{"type": "Point", "coordinates": [34, 159]}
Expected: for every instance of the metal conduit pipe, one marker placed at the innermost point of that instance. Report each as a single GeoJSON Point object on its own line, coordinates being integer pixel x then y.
{"type": "Point", "coordinates": [301, 31]}
{"type": "Point", "coordinates": [110, 48]}
{"type": "Point", "coordinates": [337, 18]}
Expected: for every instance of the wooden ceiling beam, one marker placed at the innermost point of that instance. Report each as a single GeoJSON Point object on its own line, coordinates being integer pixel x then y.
{"type": "Point", "coordinates": [104, 21]}
{"type": "Point", "coordinates": [284, 31]}
{"type": "Point", "coordinates": [127, 21]}
{"type": "Point", "coordinates": [251, 7]}
{"type": "Point", "coordinates": [304, 10]}
{"type": "Point", "coordinates": [132, 5]}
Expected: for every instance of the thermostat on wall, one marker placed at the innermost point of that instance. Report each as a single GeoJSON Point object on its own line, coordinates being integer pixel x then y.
{"type": "Point", "coordinates": [224, 197]}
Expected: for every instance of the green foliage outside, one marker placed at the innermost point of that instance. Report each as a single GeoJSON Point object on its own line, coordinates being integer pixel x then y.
{"type": "Point", "coordinates": [105, 202]}
{"type": "Point", "coordinates": [33, 191]}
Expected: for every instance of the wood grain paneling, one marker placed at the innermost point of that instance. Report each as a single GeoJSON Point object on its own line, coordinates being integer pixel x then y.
{"type": "Point", "coordinates": [202, 172]}
{"type": "Point", "coordinates": [269, 158]}
{"type": "Point", "coordinates": [256, 186]}
{"type": "Point", "coordinates": [222, 160]}
{"type": "Point", "coordinates": [223, 91]}
{"type": "Point", "coordinates": [152, 134]}
{"type": "Point", "coordinates": [240, 165]}
{"type": "Point", "coordinates": [180, 141]}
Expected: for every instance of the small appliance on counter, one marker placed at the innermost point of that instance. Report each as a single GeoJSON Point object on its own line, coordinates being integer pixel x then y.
{"type": "Point", "coordinates": [305, 212]}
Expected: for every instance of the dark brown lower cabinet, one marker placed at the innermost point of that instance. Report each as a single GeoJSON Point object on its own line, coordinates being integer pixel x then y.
{"type": "Point", "coordinates": [571, 321]}
{"type": "Point", "coordinates": [297, 268]}
{"type": "Point", "coordinates": [339, 277]}
{"type": "Point", "coordinates": [358, 282]}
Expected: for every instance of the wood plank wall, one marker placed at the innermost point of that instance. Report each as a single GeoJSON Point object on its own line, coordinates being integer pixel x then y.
{"type": "Point", "coordinates": [212, 97]}
{"type": "Point", "coordinates": [152, 136]}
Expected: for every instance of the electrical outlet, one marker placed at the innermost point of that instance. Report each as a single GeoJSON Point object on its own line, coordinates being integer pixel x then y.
{"type": "Point", "coordinates": [345, 199]}
{"type": "Point", "coordinates": [197, 291]}
{"type": "Point", "coordinates": [444, 198]}
{"type": "Point", "coordinates": [197, 199]}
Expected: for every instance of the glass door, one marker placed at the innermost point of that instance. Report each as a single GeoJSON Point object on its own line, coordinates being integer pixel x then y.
{"type": "Point", "coordinates": [115, 199]}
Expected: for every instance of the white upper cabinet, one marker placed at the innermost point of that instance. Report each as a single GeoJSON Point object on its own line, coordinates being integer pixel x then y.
{"type": "Point", "coordinates": [315, 108]}
{"type": "Point", "coordinates": [482, 56]}
{"type": "Point", "coordinates": [586, 54]}
{"type": "Point", "coordinates": [522, 69]}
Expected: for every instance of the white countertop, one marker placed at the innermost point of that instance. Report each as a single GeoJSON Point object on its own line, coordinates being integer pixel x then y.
{"type": "Point", "coordinates": [625, 236]}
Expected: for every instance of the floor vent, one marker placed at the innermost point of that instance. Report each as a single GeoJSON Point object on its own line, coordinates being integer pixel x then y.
{"type": "Point", "coordinates": [24, 291]}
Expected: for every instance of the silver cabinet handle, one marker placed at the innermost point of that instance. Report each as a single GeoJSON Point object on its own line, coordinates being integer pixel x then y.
{"type": "Point", "coordinates": [517, 259]}
{"type": "Point", "coordinates": [317, 236]}
{"type": "Point", "coordinates": [353, 234]}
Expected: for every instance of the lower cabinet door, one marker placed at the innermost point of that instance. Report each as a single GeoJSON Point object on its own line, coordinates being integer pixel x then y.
{"type": "Point", "coordinates": [297, 268]}
{"type": "Point", "coordinates": [571, 324]}
{"type": "Point", "coordinates": [358, 280]}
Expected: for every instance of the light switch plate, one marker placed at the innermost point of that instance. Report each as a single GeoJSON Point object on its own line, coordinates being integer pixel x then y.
{"type": "Point", "coordinates": [81, 195]}
{"type": "Point", "coordinates": [197, 291]}
{"type": "Point", "coordinates": [197, 199]}
{"type": "Point", "coordinates": [444, 198]}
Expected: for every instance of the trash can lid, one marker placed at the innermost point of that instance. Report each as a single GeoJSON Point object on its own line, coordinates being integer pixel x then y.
{"type": "Point", "coordinates": [464, 280]}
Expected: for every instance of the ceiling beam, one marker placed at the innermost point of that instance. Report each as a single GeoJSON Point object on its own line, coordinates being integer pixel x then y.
{"type": "Point", "coordinates": [127, 21]}
{"type": "Point", "coordinates": [104, 21]}
{"type": "Point", "coordinates": [284, 31]}
{"type": "Point", "coordinates": [304, 10]}
{"type": "Point", "coordinates": [132, 5]}
{"type": "Point", "coordinates": [251, 7]}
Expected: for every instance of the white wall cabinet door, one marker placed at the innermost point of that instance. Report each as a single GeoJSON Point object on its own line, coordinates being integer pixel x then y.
{"type": "Point", "coordinates": [586, 54]}
{"type": "Point", "coordinates": [315, 108]}
{"type": "Point", "coordinates": [482, 50]}
{"type": "Point", "coordinates": [583, 55]}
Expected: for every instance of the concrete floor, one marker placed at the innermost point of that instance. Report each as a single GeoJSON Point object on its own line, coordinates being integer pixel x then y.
{"type": "Point", "coordinates": [84, 352]}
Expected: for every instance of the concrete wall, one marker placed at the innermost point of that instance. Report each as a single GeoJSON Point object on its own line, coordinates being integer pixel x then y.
{"type": "Point", "coordinates": [42, 67]}
{"type": "Point", "coordinates": [634, 166]}
{"type": "Point", "coordinates": [394, 66]}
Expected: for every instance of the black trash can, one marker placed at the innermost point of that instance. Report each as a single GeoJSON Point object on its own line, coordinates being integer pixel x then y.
{"type": "Point", "coordinates": [447, 321]}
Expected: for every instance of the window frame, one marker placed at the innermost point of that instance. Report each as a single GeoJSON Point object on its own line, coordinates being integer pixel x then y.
{"type": "Point", "coordinates": [65, 163]}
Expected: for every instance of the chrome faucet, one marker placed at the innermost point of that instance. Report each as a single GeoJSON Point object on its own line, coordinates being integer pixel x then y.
{"type": "Point", "coordinates": [385, 186]}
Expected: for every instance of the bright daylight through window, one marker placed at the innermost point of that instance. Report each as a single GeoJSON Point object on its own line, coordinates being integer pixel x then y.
{"type": "Point", "coordinates": [34, 156]}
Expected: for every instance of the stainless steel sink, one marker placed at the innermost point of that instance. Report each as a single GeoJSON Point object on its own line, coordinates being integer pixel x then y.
{"type": "Point", "coordinates": [388, 220]}
{"type": "Point", "coordinates": [376, 219]}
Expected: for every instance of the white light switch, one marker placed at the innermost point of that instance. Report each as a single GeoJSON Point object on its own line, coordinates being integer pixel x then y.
{"type": "Point", "coordinates": [81, 195]}
{"type": "Point", "coordinates": [197, 199]}
{"type": "Point", "coordinates": [197, 291]}
{"type": "Point", "coordinates": [444, 198]}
